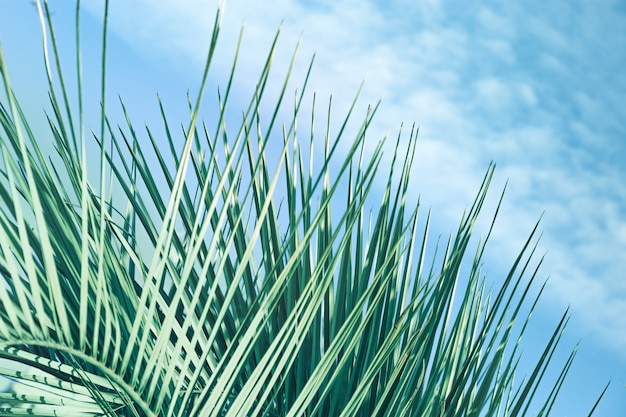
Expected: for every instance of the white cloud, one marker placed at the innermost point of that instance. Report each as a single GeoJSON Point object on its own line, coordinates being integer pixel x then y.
{"type": "Point", "coordinates": [495, 23]}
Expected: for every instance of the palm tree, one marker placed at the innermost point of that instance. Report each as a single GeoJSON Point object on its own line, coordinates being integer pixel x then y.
{"type": "Point", "coordinates": [202, 280]}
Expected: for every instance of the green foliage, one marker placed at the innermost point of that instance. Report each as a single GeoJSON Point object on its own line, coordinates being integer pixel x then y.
{"type": "Point", "coordinates": [204, 280]}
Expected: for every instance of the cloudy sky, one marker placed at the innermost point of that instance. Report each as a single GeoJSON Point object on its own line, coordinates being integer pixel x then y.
{"type": "Point", "coordinates": [538, 87]}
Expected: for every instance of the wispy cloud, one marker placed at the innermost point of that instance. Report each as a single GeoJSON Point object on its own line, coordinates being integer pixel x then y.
{"type": "Point", "coordinates": [533, 87]}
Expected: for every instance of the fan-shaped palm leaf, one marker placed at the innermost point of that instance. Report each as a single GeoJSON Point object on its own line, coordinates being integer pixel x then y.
{"type": "Point", "coordinates": [206, 281]}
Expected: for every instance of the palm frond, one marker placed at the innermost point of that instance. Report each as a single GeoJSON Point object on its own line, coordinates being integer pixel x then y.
{"type": "Point", "coordinates": [232, 275]}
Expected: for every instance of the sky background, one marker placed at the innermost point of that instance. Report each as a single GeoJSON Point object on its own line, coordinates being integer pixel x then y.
{"type": "Point", "coordinates": [537, 87]}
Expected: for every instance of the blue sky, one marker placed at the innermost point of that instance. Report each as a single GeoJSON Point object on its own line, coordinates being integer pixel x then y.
{"type": "Point", "coordinates": [537, 87]}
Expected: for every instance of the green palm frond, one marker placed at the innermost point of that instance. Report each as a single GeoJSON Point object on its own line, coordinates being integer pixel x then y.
{"type": "Point", "coordinates": [212, 278]}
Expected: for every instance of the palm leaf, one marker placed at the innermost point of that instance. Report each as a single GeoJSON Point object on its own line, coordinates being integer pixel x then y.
{"type": "Point", "coordinates": [228, 276]}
